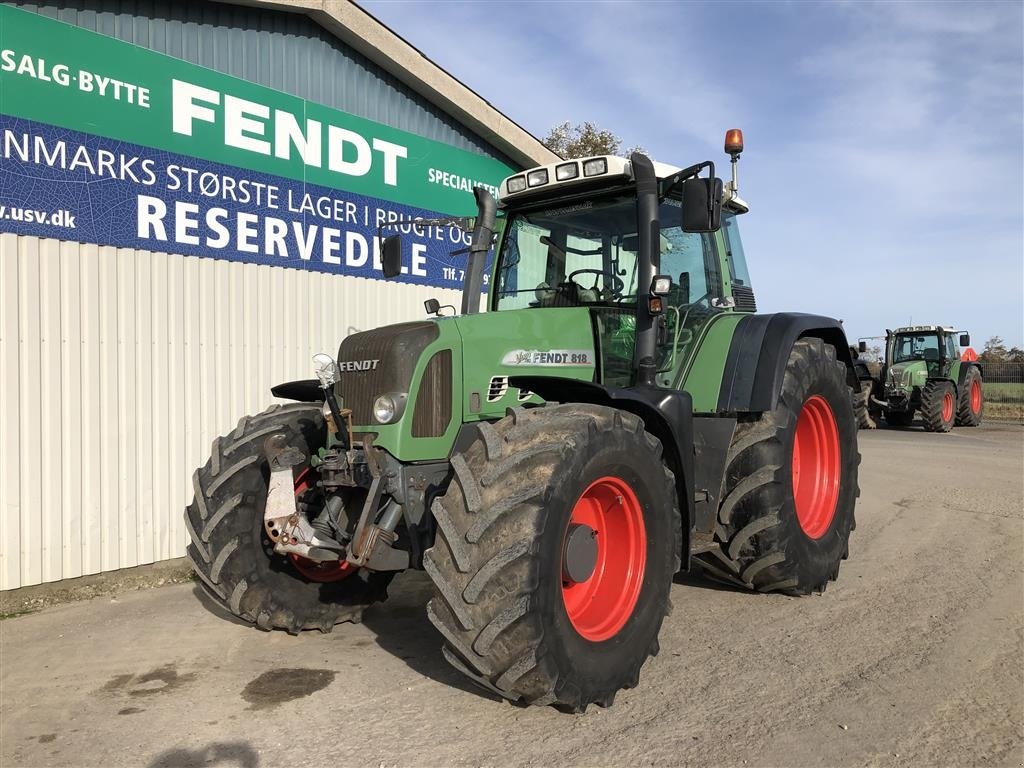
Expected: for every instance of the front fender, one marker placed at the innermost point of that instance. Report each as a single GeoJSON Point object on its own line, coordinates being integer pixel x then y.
{"type": "Point", "coordinates": [303, 391]}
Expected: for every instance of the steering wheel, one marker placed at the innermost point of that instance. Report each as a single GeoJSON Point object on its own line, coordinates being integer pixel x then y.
{"type": "Point", "coordinates": [616, 282]}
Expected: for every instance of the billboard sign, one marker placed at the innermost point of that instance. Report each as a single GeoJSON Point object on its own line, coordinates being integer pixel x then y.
{"type": "Point", "coordinates": [105, 142]}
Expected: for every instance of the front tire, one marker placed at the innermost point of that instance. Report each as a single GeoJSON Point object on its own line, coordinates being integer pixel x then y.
{"type": "Point", "coordinates": [229, 548]}
{"type": "Point", "coordinates": [557, 542]}
{"type": "Point", "coordinates": [791, 483]}
{"type": "Point", "coordinates": [972, 400]}
{"type": "Point", "coordinates": [938, 406]}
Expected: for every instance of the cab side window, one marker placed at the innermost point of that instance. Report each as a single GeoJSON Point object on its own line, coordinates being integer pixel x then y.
{"type": "Point", "coordinates": [951, 353]}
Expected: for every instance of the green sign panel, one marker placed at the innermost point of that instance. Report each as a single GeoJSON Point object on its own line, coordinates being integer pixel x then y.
{"type": "Point", "coordinates": [61, 75]}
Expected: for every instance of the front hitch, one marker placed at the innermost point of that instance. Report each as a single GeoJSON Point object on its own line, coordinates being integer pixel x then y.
{"type": "Point", "coordinates": [286, 526]}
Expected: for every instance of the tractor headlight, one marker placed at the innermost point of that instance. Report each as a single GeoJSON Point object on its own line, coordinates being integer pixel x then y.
{"type": "Point", "coordinates": [595, 167]}
{"type": "Point", "coordinates": [537, 178]}
{"type": "Point", "coordinates": [567, 171]}
{"type": "Point", "coordinates": [516, 184]}
{"type": "Point", "coordinates": [387, 408]}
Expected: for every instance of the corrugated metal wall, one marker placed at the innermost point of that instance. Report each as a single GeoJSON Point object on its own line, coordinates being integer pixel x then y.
{"type": "Point", "coordinates": [119, 367]}
{"type": "Point", "coordinates": [285, 51]}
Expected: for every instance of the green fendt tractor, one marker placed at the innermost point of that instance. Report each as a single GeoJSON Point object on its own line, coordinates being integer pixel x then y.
{"type": "Point", "coordinates": [925, 372]}
{"type": "Point", "coordinates": [617, 414]}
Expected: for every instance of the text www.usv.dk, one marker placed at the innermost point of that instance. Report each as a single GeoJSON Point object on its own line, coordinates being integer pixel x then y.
{"type": "Point", "coordinates": [61, 218]}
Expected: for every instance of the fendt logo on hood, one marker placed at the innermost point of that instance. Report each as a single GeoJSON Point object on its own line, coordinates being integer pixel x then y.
{"type": "Point", "coordinates": [358, 365]}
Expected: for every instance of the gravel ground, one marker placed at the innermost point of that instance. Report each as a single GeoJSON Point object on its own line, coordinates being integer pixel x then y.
{"type": "Point", "coordinates": [914, 657]}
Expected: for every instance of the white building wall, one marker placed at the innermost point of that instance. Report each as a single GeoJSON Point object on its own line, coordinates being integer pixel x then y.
{"type": "Point", "coordinates": [118, 367]}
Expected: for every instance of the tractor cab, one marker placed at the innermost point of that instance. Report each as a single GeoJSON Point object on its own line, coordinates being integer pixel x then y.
{"type": "Point", "coordinates": [572, 239]}
{"type": "Point", "coordinates": [929, 350]}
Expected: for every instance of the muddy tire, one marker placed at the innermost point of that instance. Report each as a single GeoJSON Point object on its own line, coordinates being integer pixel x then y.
{"type": "Point", "coordinates": [899, 418]}
{"type": "Point", "coordinates": [862, 406]}
{"type": "Point", "coordinates": [971, 407]}
{"type": "Point", "coordinates": [938, 406]}
{"type": "Point", "coordinates": [229, 548]}
{"type": "Point", "coordinates": [512, 546]}
{"type": "Point", "coordinates": [791, 483]}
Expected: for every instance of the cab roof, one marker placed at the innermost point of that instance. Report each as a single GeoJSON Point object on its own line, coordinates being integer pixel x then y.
{"type": "Point", "coordinates": [927, 329]}
{"type": "Point", "coordinates": [574, 173]}
{"type": "Point", "coordinates": [570, 175]}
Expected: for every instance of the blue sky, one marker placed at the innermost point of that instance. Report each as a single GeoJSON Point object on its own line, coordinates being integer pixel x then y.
{"type": "Point", "coordinates": [884, 141]}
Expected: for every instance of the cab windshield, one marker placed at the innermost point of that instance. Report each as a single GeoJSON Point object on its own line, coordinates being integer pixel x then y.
{"type": "Point", "coordinates": [585, 254]}
{"type": "Point", "coordinates": [917, 346]}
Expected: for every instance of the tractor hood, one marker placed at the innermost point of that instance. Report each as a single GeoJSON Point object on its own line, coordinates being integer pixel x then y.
{"type": "Point", "coordinates": [521, 342]}
{"type": "Point", "coordinates": [909, 374]}
{"type": "Point", "coordinates": [443, 372]}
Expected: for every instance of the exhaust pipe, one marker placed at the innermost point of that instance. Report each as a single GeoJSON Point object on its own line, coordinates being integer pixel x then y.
{"type": "Point", "coordinates": [648, 262]}
{"type": "Point", "coordinates": [483, 237]}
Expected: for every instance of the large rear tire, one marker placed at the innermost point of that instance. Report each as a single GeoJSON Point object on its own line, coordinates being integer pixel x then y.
{"type": "Point", "coordinates": [938, 406]}
{"type": "Point", "coordinates": [230, 551]}
{"type": "Point", "coordinates": [557, 542]}
{"type": "Point", "coordinates": [791, 483]}
{"type": "Point", "coordinates": [972, 400]}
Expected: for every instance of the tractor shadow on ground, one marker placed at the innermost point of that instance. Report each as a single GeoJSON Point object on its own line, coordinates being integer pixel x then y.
{"type": "Point", "coordinates": [401, 628]}
{"type": "Point", "coordinates": [695, 578]}
{"type": "Point", "coordinates": [229, 753]}
{"type": "Point", "coordinates": [215, 607]}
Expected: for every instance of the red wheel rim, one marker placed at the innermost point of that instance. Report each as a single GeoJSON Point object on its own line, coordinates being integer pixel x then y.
{"type": "Point", "coordinates": [947, 406]}
{"type": "Point", "coordinates": [323, 572]}
{"type": "Point", "coordinates": [976, 396]}
{"type": "Point", "coordinates": [816, 467]}
{"type": "Point", "coordinates": [600, 606]}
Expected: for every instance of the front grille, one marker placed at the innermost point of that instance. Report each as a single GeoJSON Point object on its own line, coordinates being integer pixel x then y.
{"type": "Point", "coordinates": [744, 298]}
{"type": "Point", "coordinates": [396, 348]}
{"type": "Point", "coordinates": [434, 398]}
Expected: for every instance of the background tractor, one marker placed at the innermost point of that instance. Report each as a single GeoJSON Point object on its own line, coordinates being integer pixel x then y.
{"type": "Point", "coordinates": [617, 414]}
{"type": "Point", "coordinates": [925, 371]}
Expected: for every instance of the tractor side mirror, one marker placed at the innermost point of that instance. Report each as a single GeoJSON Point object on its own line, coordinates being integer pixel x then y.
{"type": "Point", "coordinates": [391, 256]}
{"type": "Point", "coordinates": [965, 339]}
{"type": "Point", "coordinates": [862, 346]}
{"type": "Point", "coordinates": [432, 306]}
{"type": "Point", "coordinates": [702, 204]}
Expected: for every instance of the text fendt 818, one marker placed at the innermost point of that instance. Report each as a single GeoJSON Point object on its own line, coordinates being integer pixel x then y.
{"type": "Point", "coordinates": [617, 414]}
{"type": "Point", "coordinates": [925, 372]}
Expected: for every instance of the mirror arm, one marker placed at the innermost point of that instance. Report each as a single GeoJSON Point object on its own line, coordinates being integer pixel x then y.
{"type": "Point", "coordinates": [459, 222]}
{"type": "Point", "coordinates": [667, 184]}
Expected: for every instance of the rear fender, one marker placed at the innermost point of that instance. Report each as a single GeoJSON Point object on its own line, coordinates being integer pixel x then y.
{"type": "Point", "coordinates": [759, 353]}
{"type": "Point", "coordinates": [966, 366]}
{"type": "Point", "coordinates": [667, 414]}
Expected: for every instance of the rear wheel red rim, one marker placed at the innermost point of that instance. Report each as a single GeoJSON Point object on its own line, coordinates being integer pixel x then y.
{"type": "Point", "coordinates": [816, 467]}
{"type": "Point", "coordinates": [976, 396]}
{"type": "Point", "coordinates": [947, 406]}
{"type": "Point", "coordinates": [599, 606]}
{"type": "Point", "coordinates": [335, 570]}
